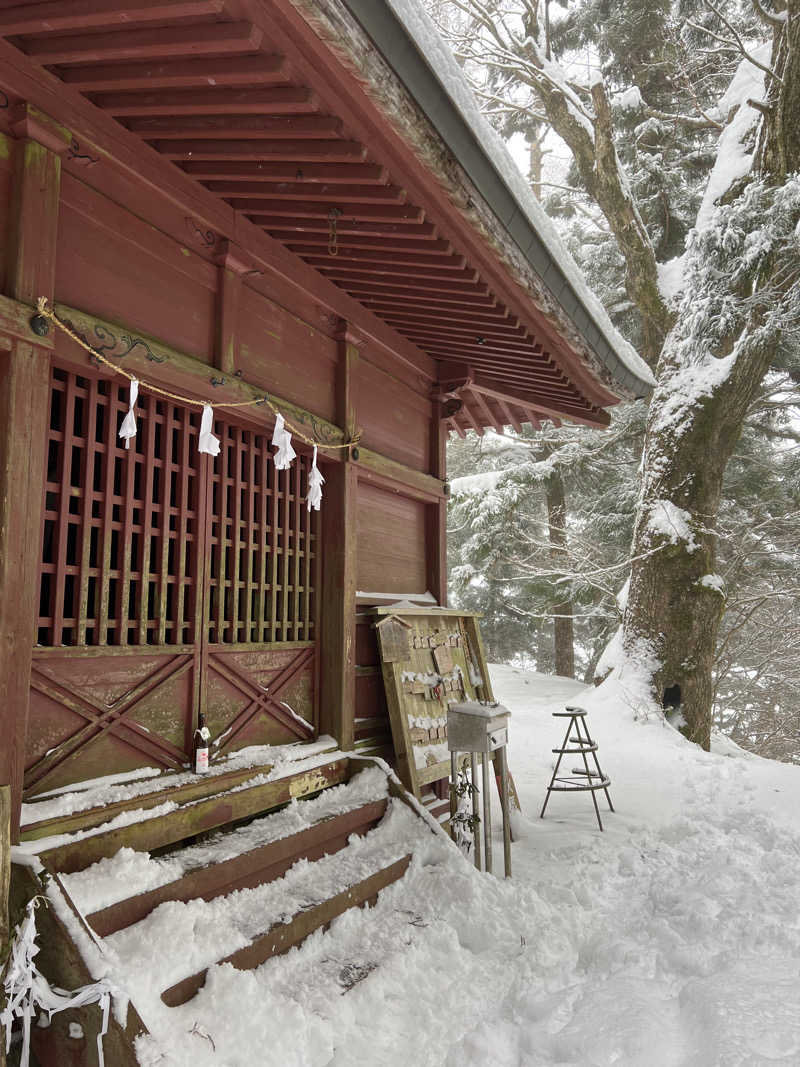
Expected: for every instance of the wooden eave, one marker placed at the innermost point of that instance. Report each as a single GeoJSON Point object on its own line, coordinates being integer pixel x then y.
{"type": "Point", "coordinates": [247, 99]}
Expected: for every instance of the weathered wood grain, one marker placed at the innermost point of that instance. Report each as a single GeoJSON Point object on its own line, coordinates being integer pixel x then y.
{"type": "Point", "coordinates": [249, 869]}
{"type": "Point", "coordinates": [193, 818]}
{"type": "Point", "coordinates": [283, 936]}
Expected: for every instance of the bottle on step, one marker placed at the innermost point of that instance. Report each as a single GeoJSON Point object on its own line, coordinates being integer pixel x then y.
{"type": "Point", "coordinates": [202, 735]}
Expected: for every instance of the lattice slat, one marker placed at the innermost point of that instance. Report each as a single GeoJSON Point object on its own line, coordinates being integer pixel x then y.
{"type": "Point", "coordinates": [123, 529]}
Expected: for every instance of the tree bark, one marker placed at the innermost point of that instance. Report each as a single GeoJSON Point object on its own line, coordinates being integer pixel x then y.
{"type": "Point", "coordinates": [563, 627]}
{"type": "Point", "coordinates": [673, 612]}
{"type": "Point", "coordinates": [592, 146]}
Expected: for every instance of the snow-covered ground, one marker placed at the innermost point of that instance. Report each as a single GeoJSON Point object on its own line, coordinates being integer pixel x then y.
{"type": "Point", "coordinates": [670, 940]}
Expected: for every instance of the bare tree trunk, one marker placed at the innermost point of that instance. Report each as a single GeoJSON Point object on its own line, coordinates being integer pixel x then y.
{"type": "Point", "coordinates": [563, 628]}
{"type": "Point", "coordinates": [545, 664]}
{"type": "Point", "coordinates": [555, 498]}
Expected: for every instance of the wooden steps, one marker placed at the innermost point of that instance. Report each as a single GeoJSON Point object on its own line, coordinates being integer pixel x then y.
{"type": "Point", "coordinates": [244, 871]}
{"type": "Point", "coordinates": [247, 871]}
{"type": "Point", "coordinates": [162, 828]}
{"type": "Point", "coordinates": [179, 786]}
{"type": "Point", "coordinates": [282, 936]}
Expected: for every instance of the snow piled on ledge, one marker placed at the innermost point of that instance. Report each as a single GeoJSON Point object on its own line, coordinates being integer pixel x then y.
{"type": "Point", "coordinates": [441, 61]}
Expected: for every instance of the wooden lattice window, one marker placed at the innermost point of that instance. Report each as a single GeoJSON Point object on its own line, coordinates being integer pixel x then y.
{"type": "Point", "coordinates": [118, 564]}
{"type": "Point", "coordinates": [262, 544]}
{"type": "Point", "coordinates": [130, 537]}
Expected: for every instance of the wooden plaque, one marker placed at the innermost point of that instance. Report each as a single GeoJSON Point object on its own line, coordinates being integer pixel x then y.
{"type": "Point", "coordinates": [429, 658]}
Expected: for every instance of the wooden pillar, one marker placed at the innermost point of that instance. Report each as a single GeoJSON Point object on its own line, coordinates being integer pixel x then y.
{"type": "Point", "coordinates": [436, 514]}
{"type": "Point", "coordinates": [231, 268]}
{"type": "Point", "coordinates": [339, 560]}
{"type": "Point", "coordinates": [24, 402]}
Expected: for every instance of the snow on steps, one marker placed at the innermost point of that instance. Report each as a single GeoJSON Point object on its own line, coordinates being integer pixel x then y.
{"type": "Point", "coordinates": [174, 820]}
{"type": "Point", "coordinates": [243, 895]}
{"type": "Point", "coordinates": [88, 804]}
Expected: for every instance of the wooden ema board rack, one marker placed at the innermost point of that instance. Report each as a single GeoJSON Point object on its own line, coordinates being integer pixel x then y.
{"type": "Point", "coordinates": [430, 658]}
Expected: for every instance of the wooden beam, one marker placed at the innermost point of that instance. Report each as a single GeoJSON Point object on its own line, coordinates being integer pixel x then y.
{"type": "Point", "coordinates": [174, 193]}
{"type": "Point", "coordinates": [166, 42]}
{"type": "Point", "coordinates": [293, 151]}
{"type": "Point", "coordinates": [464, 342]}
{"type": "Point", "coordinates": [55, 16]}
{"type": "Point", "coordinates": [31, 245]}
{"type": "Point", "coordinates": [325, 192]}
{"type": "Point", "coordinates": [438, 323]}
{"type": "Point", "coordinates": [508, 414]}
{"type": "Point", "coordinates": [24, 408]}
{"type": "Point", "coordinates": [176, 370]}
{"type": "Point", "coordinates": [389, 473]}
{"type": "Point", "coordinates": [468, 415]}
{"type": "Point", "coordinates": [380, 243]}
{"type": "Point", "coordinates": [178, 74]}
{"type": "Point", "coordinates": [370, 256]}
{"type": "Point", "coordinates": [522, 398]}
{"type": "Point", "coordinates": [230, 127]}
{"type": "Point", "coordinates": [345, 227]}
{"type": "Point", "coordinates": [312, 209]}
{"type": "Point", "coordinates": [339, 543]}
{"type": "Point", "coordinates": [446, 301]}
{"type": "Point", "coordinates": [15, 322]}
{"type": "Point", "coordinates": [481, 404]}
{"type": "Point", "coordinates": [280, 100]}
{"type": "Point", "coordinates": [484, 308]}
{"type": "Point", "coordinates": [387, 270]}
{"type": "Point", "coordinates": [290, 171]}
{"type": "Point", "coordinates": [232, 266]}
{"type": "Point", "coordinates": [436, 513]}
{"type": "Point", "coordinates": [368, 282]}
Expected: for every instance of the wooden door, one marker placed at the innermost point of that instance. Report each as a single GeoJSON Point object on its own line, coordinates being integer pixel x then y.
{"type": "Point", "coordinates": [259, 661]}
{"type": "Point", "coordinates": [170, 582]}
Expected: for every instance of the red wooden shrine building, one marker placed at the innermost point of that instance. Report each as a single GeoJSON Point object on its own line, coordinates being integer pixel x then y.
{"type": "Point", "coordinates": [229, 198]}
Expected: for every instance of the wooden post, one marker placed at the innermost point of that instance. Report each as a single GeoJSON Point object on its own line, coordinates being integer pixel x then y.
{"type": "Point", "coordinates": [436, 514]}
{"type": "Point", "coordinates": [24, 401]}
{"type": "Point", "coordinates": [231, 269]}
{"type": "Point", "coordinates": [339, 544]}
{"type": "Point", "coordinates": [31, 249]}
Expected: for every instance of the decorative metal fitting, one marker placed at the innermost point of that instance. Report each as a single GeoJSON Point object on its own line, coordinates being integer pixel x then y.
{"type": "Point", "coordinates": [217, 381]}
{"type": "Point", "coordinates": [354, 453]}
{"type": "Point", "coordinates": [40, 325]}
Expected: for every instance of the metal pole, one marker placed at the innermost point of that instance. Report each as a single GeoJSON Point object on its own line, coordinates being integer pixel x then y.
{"type": "Point", "coordinates": [476, 818]}
{"type": "Point", "coordinates": [453, 783]}
{"type": "Point", "coordinates": [506, 818]}
{"type": "Point", "coordinates": [487, 812]}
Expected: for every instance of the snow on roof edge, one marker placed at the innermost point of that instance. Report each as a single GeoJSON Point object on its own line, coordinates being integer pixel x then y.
{"type": "Point", "coordinates": [434, 51]}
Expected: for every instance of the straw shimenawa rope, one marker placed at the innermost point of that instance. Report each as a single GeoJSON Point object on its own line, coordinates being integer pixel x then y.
{"type": "Point", "coordinates": [44, 309]}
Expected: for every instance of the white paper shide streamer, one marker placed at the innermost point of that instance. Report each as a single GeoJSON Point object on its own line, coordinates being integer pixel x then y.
{"type": "Point", "coordinates": [128, 428]}
{"type": "Point", "coordinates": [207, 441]}
{"type": "Point", "coordinates": [27, 991]}
{"type": "Point", "coordinates": [282, 440]}
{"type": "Point", "coordinates": [315, 483]}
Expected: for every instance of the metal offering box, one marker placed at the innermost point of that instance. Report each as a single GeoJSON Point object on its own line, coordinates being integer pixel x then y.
{"type": "Point", "coordinates": [475, 727]}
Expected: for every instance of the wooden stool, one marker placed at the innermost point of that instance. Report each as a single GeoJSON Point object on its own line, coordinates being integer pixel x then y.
{"type": "Point", "coordinates": [580, 780]}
